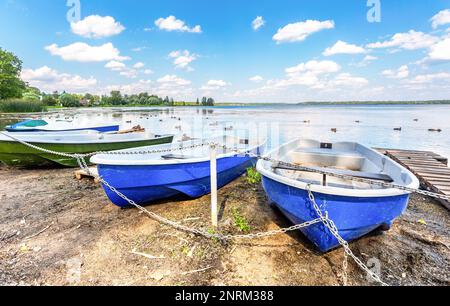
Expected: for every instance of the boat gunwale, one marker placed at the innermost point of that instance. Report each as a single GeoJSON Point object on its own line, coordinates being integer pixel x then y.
{"type": "Point", "coordinates": [336, 191]}
{"type": "Point", "coordinates": [78, 142]}
{"type": "Point", "coordinates": [10, 129]}
{"type": "Point", "coordinates": [98, 160]}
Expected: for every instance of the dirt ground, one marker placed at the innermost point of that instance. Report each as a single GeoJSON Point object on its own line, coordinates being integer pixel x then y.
{"type": "Point", "coordinates": [55, 230]}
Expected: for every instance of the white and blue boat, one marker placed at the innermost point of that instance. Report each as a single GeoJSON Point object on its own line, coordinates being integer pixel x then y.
{"type": "Point", "coordinates": [146, 178]}
{"type": "Point", "coordinates": [60, 126]}
{"type": "Point", "coordinates": [356, 208]}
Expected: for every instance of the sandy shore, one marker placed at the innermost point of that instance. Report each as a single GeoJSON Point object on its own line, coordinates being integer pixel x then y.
{"type": "Point", "coordinates": [55, 230]}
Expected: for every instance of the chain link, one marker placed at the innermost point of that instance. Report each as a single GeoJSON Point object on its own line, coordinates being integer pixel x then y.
{"type": "Point", "coordinates": [334, 231]}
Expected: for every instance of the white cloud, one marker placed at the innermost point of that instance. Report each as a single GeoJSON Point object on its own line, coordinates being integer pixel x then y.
{"type": "Point", "coordinates": [115, 65]}
{"type": "Point", "coordinates": [440, 51]}
{"type": "Point", "coordinates": [441, 18]}
{"type": "Point", "coordinates": [341, 47]}
{"type": "Point", "coordinates": [346, 79]}
{"type": "Point", "coordinates": [133, 88]}
{"type": "Point", "coordinates": [258, 23]}
{"type": "Point", "coordinates": [366, 61]}
{"type": "Point", "coordinates": [429, 78]}
{"type": "Point", "coordinates": [95, 26]}
{"type": "Point", "coordinates": [314, 68]}
{"type": "Point", "coordinates": [299, 31]}
{"type": "Point", "coordinates": [139, 65]}
{"type": "Point", "coordinates": [183, 59]}
{"type": "Point", "coordinates": [130, 73]}
{"type": "Point", "coordinates": [214, 85]}
{"type": "Point", "coordinates": [400, 73]}
{"type": "Point", "coordinates": [171, 23]}
{"type": "Point", "coordinates": [148, 71]}
{"type": "Point", "coordinates": [411, 40]}
{"type": "Point", "coordinates": [173, 80]}
{"type": "Point", "coordinates": [256, 79]}
{"type": "Point", "coordinates": [82, 52]}
{"type": "Point", "coordinates": [49, 80]}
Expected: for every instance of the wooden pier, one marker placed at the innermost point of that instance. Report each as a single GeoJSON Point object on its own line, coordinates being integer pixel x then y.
{"type": "Point", "coordinates": [430, 168]}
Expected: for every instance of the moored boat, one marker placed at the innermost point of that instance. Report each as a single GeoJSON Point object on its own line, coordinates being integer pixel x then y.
{"type": "Point", "coordinates": [356, 208]}
{"type": "Point", "coordinates": [14, 153]}
{"type": "Point", "coordinates": [145, 178]}
{"type": "Point", "coordinates": [60, 126]}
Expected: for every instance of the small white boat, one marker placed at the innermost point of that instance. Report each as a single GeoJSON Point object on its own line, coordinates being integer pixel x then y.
{"type": "Point", "coordinates": [357, 208]}
{"type": "Point", "coordinates": [59, 126]}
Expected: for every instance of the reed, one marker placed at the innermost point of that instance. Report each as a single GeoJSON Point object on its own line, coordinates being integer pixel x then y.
{"type": "Point", "coordinates": [21, 106]}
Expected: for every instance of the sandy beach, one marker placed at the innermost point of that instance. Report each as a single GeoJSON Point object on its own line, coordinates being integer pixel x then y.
{"type": "Point", "coordinates": [56, 230]}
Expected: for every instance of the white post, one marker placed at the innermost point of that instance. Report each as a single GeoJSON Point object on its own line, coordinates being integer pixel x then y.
{"type": "Point", "coordinates": [214, 211]}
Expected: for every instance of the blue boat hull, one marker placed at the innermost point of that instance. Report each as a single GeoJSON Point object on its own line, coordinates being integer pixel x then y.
{"type": "Point", "coordinates": [354, 217]}
{"type": "Point", "coordinates": [146, 184]}
{"type": "Point", "coordinates": [102, 129]}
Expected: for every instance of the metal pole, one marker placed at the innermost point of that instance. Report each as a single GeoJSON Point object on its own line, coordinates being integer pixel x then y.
{"type": "Point", "coordinates": [214, 211]}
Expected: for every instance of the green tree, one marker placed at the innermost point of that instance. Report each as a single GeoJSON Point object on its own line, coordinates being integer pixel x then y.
{"type": "Point", "coordinates": [11, 86]}
{"type": "Point", "coordinates": [116, 98]}
{"type": "Point", "coordinates": [68, 100]}
{"type": "Point", "coordinates": [49, 100]}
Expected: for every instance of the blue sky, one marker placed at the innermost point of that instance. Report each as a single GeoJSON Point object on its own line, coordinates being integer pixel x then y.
{"type": "Point", "coordinates": [295, 51]}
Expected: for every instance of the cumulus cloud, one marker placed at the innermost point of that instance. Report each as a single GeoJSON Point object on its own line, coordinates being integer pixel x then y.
{"type": "Point", "coordinates": [299, 31]}
{"type": "Point", "coordinates": [441, 18]}
{"type": "Point", "coordinates": [400, 73]}
{"type": "Point", "coordinates": [171, 23]}
{"type": "Point", "coordinates": [133, 88]}
{"type": "Point", "coordinates": [256, 78]}
{"type": "Point", "coordinates": [346, 79]}
{"type": "Point", "coordinates": [183, 59]}
{"type": "Point", "coordinates": [139, 65]}
{"type": "Point", "coordinates": [440, 51]}
{"type": "Point", "coordinates": [411, 40]}
{"type": "Point", "coordinates": [115, 65]}
{"type": "Point", "coordinates": [215, 85]}
{"type": "Point", "coordinates": [173, 80]}
{"type": "Point", "coordinates": [432, 77]}
{"type": "Point", "coordinates": [314, 68]}
{"type": "Point", "coordinates": [82, 52]}
{"type": "Point", "coordinates": [341, 47]}
{"type": "Point", "coordinates": [49, 80]}
{"type": "Point", "coordinates": [258, 23]}
{"type": "Point", "coordinates": [95, 26]}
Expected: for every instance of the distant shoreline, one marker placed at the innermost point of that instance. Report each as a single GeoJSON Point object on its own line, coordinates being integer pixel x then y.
{"type": "Point", "coordinates": [52, 109]}
{"type": "Point", "coordinates": [362, 103]}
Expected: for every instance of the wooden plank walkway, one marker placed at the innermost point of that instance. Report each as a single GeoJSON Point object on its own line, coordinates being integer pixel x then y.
{"type": "Point", "coordinates": [430, 168]}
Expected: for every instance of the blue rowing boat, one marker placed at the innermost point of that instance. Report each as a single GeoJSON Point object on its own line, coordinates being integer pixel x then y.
{"type": "Point", "coordinates": [145, 178]}
{"type": "Point", "coordinates": [62, 126]}
{"type": "Point", "coordinates": [356, 208]}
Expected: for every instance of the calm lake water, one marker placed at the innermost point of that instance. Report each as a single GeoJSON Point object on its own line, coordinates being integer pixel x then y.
{"type": "Point", "coordinates": [375, 126]}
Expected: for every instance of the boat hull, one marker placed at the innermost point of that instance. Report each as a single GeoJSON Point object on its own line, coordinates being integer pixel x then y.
{"type": "Point", "coordinates": [102, 129]}
{"type": "Point", "coordinates": [150, 183]}
{"type": "Point", "coordinates": [15, 154]}
{"type": "Point", "coordinates": [354, 216]}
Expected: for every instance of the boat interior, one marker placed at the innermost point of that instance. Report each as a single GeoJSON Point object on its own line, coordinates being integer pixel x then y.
{"type": "Point", "coordinates": [182, 151]}
{"type": "Point", "coordinates": [345, 158]}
